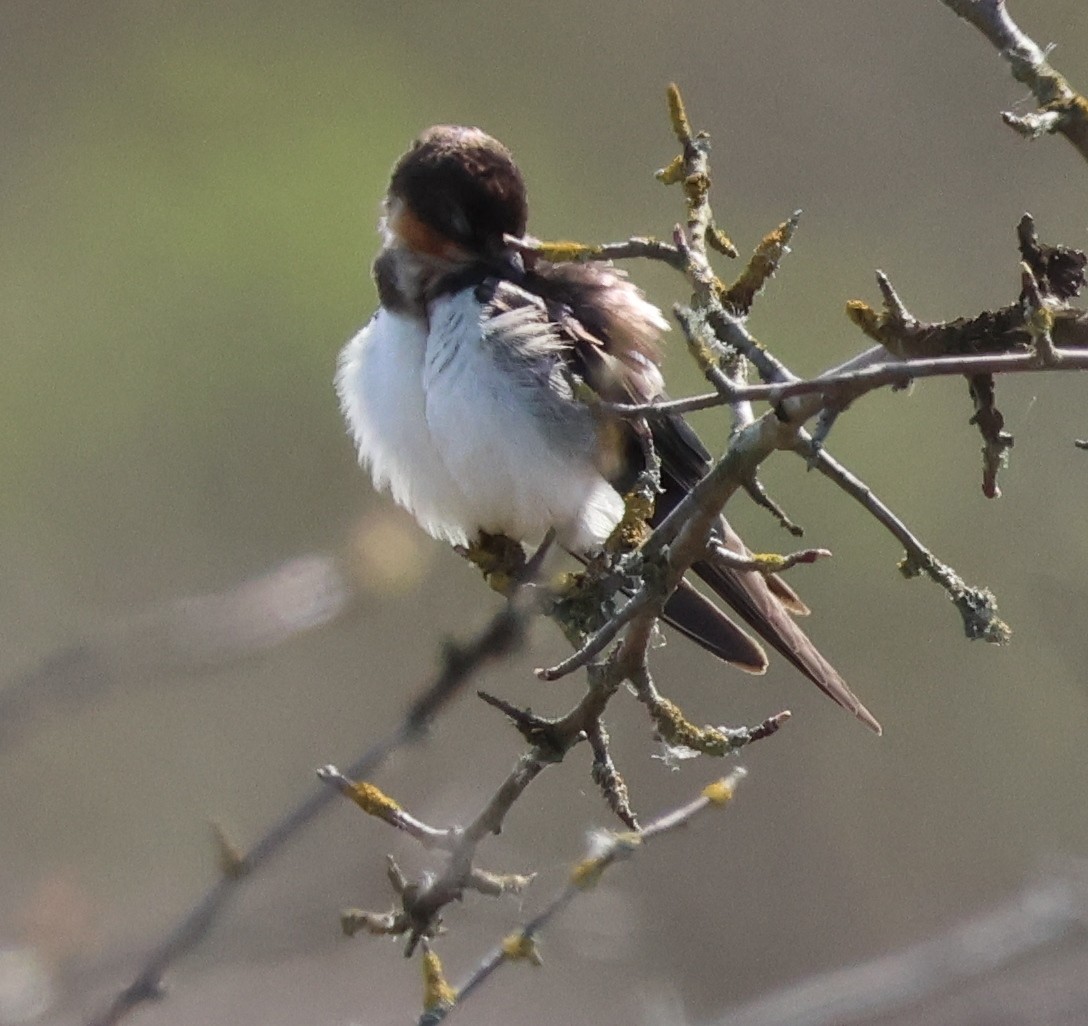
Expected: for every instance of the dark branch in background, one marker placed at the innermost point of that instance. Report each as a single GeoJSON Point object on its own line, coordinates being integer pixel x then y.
{"type": "Point", "coordinates": [419, 916]}
{"type": "Point", "coordinates": [1062, 109]}
{"type": "Point", "coordinates": [1043, 917]}
{"type": "Point", "coordinates": [607, 849]}
{"type": "Point", "coordinates": [502, 635]}
{"type": "Point", "coordinates": [188, 636]}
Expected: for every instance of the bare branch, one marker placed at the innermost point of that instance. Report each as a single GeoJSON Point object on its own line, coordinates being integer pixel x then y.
{"type": "Point", "coordinates": [607, 777]}
{"type": "Point", "coordinates": [762, 266]}
{"type": "Point", "coordinates": [768, 563]}
{"type": "Point", "coordinates": [1043, 916]}
{"type": "Point", "coordinates": [1062, 109]}
{"type": "Point", "coordinates": [642, 601]}
{"type": "Point", "coordinates": [608, 848]}
{"type": "Point", "coordinates": [378, 804]}
{"type": "Point", "coordinates": [503, 634]}
{"type": "Point", "coordinates": [638, 247]}
{"type": "Point", "coordinates": [624, 591]}
{"type": "Point", "coordinates": [977, 606]}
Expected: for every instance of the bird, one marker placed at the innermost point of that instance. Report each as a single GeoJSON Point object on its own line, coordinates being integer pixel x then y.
{"type": "Point", "coordinates": [469, 394]}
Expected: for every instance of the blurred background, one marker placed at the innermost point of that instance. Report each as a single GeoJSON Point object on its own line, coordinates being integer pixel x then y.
{"type": "Point", "coordinates": [189, 197]}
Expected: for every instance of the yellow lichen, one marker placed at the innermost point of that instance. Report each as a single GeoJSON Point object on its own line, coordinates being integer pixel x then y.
{"type": "Point", "coordinates": [373, 800]}
{"type": "Point", "coordinates": [587, 872]}
{"type": "Point", "coordinates": [672, 172]}
{"type": "Point", "coordinates": [866, 318]}
{"type": "Point", "coordinates": [437, 993]}
{"type": "Point", "coordinates": [677, 114]}
{"type": "Point", "coordinates": [719, 792]}
{"type": "Point", "coordinates": [1041, 321]}
{"type": "Point", "coordinates": [563, 251]}
{"type": "Point", "coordinates": [498, 558]}
{"type": "Point", "coordinates": [696, 187]}
{"type": "Point", "coordinates": [703, 355]}
{"type": "Point", "coordinates": [676, 729]}
{"type": "Point", "coordinates": [521, 947]}
{"type": "Point", "coordinates": [720, 241]}
{"type": "Point", "coordinates": [768, 562]}
{"type": "Point", "coordinates": [761, 266]}
{"type": "Point", "coordinates": [633, 528]}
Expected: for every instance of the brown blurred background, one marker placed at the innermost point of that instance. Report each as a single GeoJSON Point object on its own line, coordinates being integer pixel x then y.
{"type": "Point", "coordinates": [189, 195]}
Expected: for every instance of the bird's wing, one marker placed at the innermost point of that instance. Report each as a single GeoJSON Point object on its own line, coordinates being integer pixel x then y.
{"type": "Point", "coordinates": [551, 352]}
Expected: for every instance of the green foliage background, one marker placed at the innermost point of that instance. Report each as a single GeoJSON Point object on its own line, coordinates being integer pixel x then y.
{"type": "Point", "coordinates": [187, 205]}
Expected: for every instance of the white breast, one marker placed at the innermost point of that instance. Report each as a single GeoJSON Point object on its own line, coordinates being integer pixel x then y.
{"type": "Point", "coordinates": [467, 434]}
{"type": "Point", "coordinates": [379, 379]}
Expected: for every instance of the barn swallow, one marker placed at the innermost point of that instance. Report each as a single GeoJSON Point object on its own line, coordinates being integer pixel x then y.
{"type": "Point", "coordinates": [466, 393]}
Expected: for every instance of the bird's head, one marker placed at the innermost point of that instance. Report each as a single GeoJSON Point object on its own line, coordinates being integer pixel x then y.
{"type": "Point", "coordinates": [454, 196]}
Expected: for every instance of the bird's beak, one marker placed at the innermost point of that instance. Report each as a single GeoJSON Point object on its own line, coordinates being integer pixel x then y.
{"type": "Point", "coordinates": [508, 262]}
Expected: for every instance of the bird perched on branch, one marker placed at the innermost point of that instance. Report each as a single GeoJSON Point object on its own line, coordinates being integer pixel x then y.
{"type": "Point", "coordinates": [465, 393]}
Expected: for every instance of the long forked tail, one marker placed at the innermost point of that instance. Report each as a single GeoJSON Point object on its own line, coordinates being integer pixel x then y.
{"type": "Point", "coordinates": [751, 597]}
{"type": "Point", "coordinates": [764, 603]}
{"type": "Point", "coordinates": [698, 618]}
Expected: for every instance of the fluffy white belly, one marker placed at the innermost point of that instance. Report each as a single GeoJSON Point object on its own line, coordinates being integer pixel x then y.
{"type": "Point", "coordinates": [463, 444]}
{"type": "Point", "coordinates": [379, 379]}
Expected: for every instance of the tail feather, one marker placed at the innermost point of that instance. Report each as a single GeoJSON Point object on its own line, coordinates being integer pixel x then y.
{"type": "Point", "coordinates": [756, 602]}
{"type": "Point", "coordinates": [763, 602]}
{"type": "Point", "coordinates": [787, 596]}
{"type": "Point", "coordinates": [698, 618]}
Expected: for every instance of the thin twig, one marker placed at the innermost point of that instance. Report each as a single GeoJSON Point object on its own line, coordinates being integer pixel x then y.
{"type": "Point", "coordinates": [607, 849]}
{"type": "Point", "coordinates": [634, 248]}
{"type": "Point", "coordinates": [765, 563]}
{"type": "Point", "coordinates": [856, 382]}
{"type": "Point", "coordinates": [1061, 108]}
{"type": "Point", "coordinates": [374, 802]}
{"type": "Point", "coordinates": [503, 634]}
{"type": "Point", "coordinates": [596, 643]}
{"type": "Point", "coordinates": [977, 606]}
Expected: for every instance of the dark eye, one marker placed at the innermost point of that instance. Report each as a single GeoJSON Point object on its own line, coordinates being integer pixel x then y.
{"type": "Point", "coordinates": [459, 227]}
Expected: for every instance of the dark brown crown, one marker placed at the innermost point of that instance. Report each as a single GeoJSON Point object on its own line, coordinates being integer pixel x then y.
{"type": "Point", "coordinates": [464, 185]}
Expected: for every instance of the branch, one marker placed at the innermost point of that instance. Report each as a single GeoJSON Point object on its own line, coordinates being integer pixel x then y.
{"type": "Point", "coordinates": [560, 251]}
{"type": "Point", "coordinates": [1022, 337]}
{"type": "Point", "coordinates": [1042, 917]}
{"type": "Point", "coordinates": [859, 379]}
{"type": "Point", "coordinates": [189, 635]}
{"type": "Point", "coordinates": [1036, 333]}
{"type": "Point", "coordinates": [1061, 108]}
{"type": "Point", "coordinates": [505, 633]}
{"type": "Point", "coordinates": [977, 606]}
{"type": "Point", "coordinates": [421, 906]}
{"type": "Point", "coordinates": [607, 848]}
